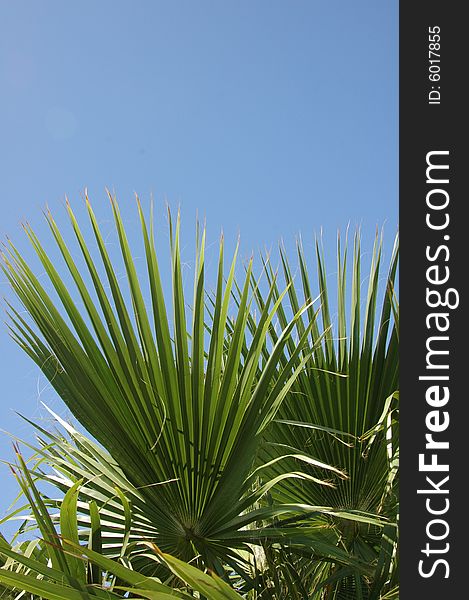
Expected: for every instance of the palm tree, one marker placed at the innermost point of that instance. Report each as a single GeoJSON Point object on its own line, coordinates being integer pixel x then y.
{"type": "Point", "coordinates": [200, 449]}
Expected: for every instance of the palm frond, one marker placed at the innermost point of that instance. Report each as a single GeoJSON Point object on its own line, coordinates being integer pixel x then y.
{"type": "Point", "coordinates": [167, 404]}
{"type": "Point", "coordinates": [342, 409]}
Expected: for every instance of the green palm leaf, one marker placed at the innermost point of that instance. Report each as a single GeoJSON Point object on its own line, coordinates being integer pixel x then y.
{"type": "Point", "coordinates": [342, 409]}
{"type": "Point", "coordinates": [166, 403]}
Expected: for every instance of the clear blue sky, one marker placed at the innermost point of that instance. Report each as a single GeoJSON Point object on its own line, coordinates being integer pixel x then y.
{"type": "Point", "coordinates": [269, 117]}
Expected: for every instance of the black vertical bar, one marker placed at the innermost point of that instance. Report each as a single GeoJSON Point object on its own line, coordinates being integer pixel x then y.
{"type": "Point", "coordinates": [434, 337]}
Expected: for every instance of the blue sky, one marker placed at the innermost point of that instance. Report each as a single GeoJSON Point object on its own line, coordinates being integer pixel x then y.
{"type": "Point", "coordinates": [269, 118]}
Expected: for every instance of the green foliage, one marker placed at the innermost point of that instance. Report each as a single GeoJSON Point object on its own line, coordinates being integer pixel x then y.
{"type": "Point", "coordinates": [255, 437]}
{"type": "Point", "coordinates": [343, 409]}
{"type": "Point", "coordinates": [57, 567]}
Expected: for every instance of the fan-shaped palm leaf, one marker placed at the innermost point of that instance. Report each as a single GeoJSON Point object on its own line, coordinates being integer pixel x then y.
{"type": "Point", "coordinates": [167, 405]}
{"type": "Point", "coordinates": [343, 409]}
